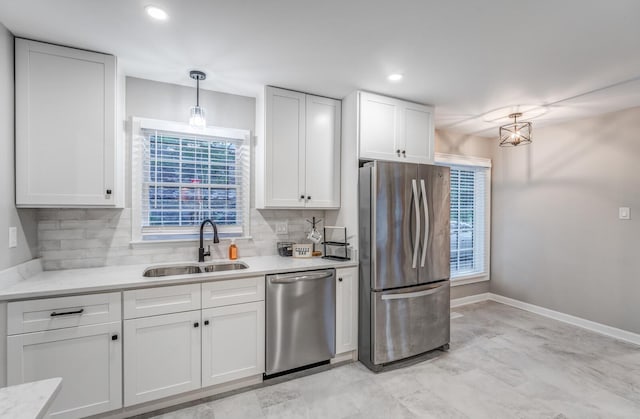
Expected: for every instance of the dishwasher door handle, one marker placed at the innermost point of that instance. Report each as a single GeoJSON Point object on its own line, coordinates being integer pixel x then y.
{"type": "Point", "coordinates": [291, 278]}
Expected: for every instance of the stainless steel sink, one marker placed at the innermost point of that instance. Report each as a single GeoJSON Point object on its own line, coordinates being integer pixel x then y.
{"type": "Point", "coordinates": [193, 269]}
{"type": "Point", "coordinates": [227, 266]}
{"type": "Point", "coordinates": [171, 270]}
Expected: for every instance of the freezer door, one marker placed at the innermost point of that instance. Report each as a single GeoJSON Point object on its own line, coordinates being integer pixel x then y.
{"type": "Point", "coordinates": [434, 212]}
{"type": "Point", "coordinates": [394, 198]}
{"type": "Point", "coordinates": [410, 321]}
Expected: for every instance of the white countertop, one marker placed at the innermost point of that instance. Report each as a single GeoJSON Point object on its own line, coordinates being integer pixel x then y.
{"type": "Point", "coordinates": [113, 278]}
{"type": "Point", "coordinates": [30, 400]}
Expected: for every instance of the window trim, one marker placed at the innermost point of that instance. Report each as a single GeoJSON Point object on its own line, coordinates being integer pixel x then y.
{"type": "Point", "coordinates": [444, 159]}
{"type": "Point", "coordinates": [137, 143]}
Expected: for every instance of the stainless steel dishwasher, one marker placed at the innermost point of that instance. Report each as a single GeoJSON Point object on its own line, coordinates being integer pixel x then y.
{"type": "Point", "coordinates": [301, 319]}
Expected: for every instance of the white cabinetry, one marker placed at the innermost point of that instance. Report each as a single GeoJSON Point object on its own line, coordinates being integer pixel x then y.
{"type": "Point", "coordinates": [346, 310]}
{"type": "Point", "coordinates": [171, 346]}
{"type": "Point", "coordinates": [233, 329]}
{"type": "Point", "coordinates": [395, 130]}
{"type": "Point", "coordinates": [161, 356]}
{"type": "Point", "coordinates": [232, 342]}
{"type": "Point", "coordinates": [67, 142]}
{"type": "Point", "coordinates": [88, 357]}
{"type": "Point", "coordinates": [301, 151]}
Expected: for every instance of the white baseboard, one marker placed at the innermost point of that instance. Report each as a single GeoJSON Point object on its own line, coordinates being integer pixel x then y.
{"type": "Point", "coordinates": [463, 301]}
{"type": "Point", "coordinates": [567, 318]}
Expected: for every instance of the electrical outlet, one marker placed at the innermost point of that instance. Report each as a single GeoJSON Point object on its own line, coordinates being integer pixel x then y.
{"type": "Point", "coordinates": [624, 213]}
{"type": "Point", "coordinates": [282, 228]}
{"type": "Point", "coordinates": [13, 237]}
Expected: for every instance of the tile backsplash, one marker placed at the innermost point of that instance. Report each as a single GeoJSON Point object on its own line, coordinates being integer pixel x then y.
{"type": "Point", "coordinates": [85, 238]}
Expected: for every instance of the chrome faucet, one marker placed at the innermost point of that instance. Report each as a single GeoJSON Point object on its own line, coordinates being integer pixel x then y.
{"type": "Point", "coordinates": [201, 252]}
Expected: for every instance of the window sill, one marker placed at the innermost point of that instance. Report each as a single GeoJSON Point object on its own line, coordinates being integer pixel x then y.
{"type": "Point", "coordinates": [181, 242]}
{"type": "Point", "coordinates": [469, 279]}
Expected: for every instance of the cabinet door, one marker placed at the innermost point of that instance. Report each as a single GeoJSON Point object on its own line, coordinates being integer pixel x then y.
{"type": "Point", "coordinates": [379, 127]}
{"type": "Point", "coordinates": [65, 126]}
{"type": "Point", "coordinates": [418, 133]}
{"type": "Point", "coordinates": [161, 356]}
{"type": "Point", "coordinates": [285, 148]}
{"type": "Point", "coordinates": [233, 342]}
{"type": "Point", "coordinates": [322, 176]}
{"type": "Point", "coordinates": [346, 310]}
{"type": "Point", "coordinates": [88, 358]}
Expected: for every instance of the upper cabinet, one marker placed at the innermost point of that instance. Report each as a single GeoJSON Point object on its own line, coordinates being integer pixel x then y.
{"type": "Point", "coordinates": [394, 130]}
{"type": "Point", "coordinates": [68, 147]}
{"type": "Point", "coordinates": [298, 164]}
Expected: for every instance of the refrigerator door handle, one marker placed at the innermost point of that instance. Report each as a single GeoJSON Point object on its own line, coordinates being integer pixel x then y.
{"type": "Point", "coordinates": [425, 204]}
{"type": "Point", "coordinates": [416, 204]}
{"type": "Point", "coordinates": [406, 295]}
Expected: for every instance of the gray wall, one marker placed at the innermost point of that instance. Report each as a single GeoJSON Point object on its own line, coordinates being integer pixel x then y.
{"type": "Point", "coordinates": [24, 220]}
{"type": "Point", "coordinates": [466, 145]}
{"type": "Point", "coordinates": [81, 238]}
{"type": "Point", "coordinates": [556, 238]}
{"type": "Point", "coordinates": [151, 99]}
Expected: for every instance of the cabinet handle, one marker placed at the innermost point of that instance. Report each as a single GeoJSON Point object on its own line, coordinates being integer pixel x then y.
{"type": "Point", "coordinates": [398, 152]}
{"type": "Point", "coordinates": [196, 324]}
{"type": "Point", "coordinates": [301, 196]}
{"type": "Point", "coordinates": [309, 198]}
{"type": "Point", "coordinates": [108, 191]}
{"type": "Point", "coordinates": [206, 322]}
{"type": "Point", "coordinates": [114, 337]}
{"type": "Point", "coordinates": [67, 313]}
{"type": "Point", "coordinates": [340, 279]}
{"type": "Point", "coordinates": [404, 153]}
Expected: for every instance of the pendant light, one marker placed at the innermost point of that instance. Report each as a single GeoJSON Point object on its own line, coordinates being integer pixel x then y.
{"type": "Point", "coordinates": [516, 133]}
{"type": "Point", "coordinates": [197, 116]}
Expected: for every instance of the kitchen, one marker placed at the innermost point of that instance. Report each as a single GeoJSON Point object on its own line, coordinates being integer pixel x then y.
{"type": "Point", "coordinates": [125, 125]}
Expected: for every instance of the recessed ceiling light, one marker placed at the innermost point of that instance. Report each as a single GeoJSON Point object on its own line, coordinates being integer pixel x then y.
{"type": "Point", "coordinates": [156, 13]}
{"type": "Point", "coordinates": [395, 77]}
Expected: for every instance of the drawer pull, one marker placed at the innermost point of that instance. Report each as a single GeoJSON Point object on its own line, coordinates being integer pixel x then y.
{"type": "Point", "coordinates": [196, 324]}
{"type": "Point", "coordinates": [67, 313]}
{"type": "Point", "coordinates": [206, 322]}
{"type": "Point", "coordinates": [114, 337]}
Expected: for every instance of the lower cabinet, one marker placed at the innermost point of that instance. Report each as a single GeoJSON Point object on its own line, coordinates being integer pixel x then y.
{"type": "Point", "coordinates": [161, 356]}
{"type": "Point", "coordinates": [88, 358]}
{"type": "Point", "coordinates": [346, 310]}
{"type": "Point", "coordinates": [171, 353]}
{"type": "Point", "coordinates": [232, 342]}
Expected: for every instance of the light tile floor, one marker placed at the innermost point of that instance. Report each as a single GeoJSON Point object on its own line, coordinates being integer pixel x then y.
{"type": "Point", "coordinates": [503, 363]}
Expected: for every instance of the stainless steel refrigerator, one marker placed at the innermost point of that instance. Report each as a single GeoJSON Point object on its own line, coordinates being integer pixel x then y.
{"type": "Point", "coordinates": [404, 261]}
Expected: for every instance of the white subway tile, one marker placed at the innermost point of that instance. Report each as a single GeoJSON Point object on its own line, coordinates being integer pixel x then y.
{"type": "Point", "coordinates": [60, 234]}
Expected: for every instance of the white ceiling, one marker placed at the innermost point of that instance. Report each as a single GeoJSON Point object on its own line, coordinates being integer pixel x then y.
{"type": "Point", "coordinates": [467, 57]}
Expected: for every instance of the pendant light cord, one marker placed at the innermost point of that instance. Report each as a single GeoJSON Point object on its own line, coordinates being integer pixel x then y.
{"type": "Point", "coordinates": [198, 92]}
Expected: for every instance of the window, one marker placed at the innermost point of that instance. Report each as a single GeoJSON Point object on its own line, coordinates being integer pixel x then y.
{"type": "Point", "coordinates": [183, 176]}
{"type": "Point", "coordinates": [469, 215]}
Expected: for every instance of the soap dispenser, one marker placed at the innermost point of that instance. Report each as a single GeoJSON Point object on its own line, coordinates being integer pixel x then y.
{"type": "Point", "coordinates": [233, 250]}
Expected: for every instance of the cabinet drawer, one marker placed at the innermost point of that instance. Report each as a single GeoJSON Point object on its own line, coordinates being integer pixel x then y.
{"type": "Point", "coordinates": [233, 291]}
{"type": "Point", "coordinates": [162, 300]}
{"type": "Point", "coordinates": [57, 313]}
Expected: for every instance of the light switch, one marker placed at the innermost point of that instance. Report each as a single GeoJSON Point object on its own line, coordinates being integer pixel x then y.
{"type": "Point", "coordinates": [282, 228]}
{"type": "Point", "coordinates": [13, 237]}
{"type": "Point", "coordinates": [624, 213]}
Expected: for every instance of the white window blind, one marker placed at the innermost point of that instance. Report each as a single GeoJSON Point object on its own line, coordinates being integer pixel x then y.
{"type": "Point", "coordinates": [469, 220]}
{"type": "Point", "coordinates": [187, 178]}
